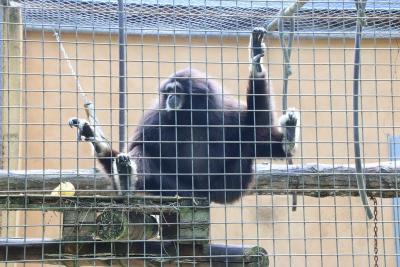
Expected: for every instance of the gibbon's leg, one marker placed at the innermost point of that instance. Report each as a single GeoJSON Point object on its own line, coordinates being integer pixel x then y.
{"type": "Point", "coordinates": [122, 170]}
{"type": "Point", "coordinates": [125, 170]}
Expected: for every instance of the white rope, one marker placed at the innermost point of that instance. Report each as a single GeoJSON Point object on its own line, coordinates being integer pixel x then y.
{"type": "Point", "coordinates": [88, 105]}
{"type": "Point", "coordinates": [71, 68]}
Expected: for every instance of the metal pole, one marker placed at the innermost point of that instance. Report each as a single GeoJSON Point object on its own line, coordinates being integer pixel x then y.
{"type": "Point", "coordinates": [122, 74]}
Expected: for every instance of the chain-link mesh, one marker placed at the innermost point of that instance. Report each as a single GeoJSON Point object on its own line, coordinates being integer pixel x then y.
{"type": "Point", "coordinates": [60, 63]}
{"type": "Point", "coordinates": [314, 19]}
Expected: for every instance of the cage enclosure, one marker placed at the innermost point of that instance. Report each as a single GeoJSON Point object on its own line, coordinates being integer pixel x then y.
{"type": "Point", "coordinates": [210, 177]}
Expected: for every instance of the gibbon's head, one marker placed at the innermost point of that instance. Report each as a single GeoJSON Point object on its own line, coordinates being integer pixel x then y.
{"type": "Point", "coordinates": [173, 96]}
{"type": "Point", "coordinates": [187, 90]}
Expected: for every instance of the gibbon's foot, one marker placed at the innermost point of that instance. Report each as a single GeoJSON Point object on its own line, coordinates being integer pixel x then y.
{"type": "Point", "coordinates": [123, 160]}
{"type": "Point", "coordinates": [85, 130]}
{"type": "Point", "coordinates": [124, 169]}
{"type": "Point", "coordinates": [289, 123]}
{"type": "Point", "coordinates": [88, 133]}
{"type": "Point", "coordinates": [257, 48]}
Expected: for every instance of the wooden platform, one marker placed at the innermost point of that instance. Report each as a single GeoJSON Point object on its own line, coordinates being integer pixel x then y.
{"type": "Point", "coordinates": [124, 230]}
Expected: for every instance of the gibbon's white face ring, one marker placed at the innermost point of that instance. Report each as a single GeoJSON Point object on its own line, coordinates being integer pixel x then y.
{"type": "Point", "coordinates": [174, 102]}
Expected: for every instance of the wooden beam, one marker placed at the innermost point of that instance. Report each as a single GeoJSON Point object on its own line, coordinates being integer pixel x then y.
{"type": "Point", "coordinates": [131, 203]}
{"type": "Point", "coordinates": [150, 251]}
{"type": "Point", "coordinates": [322, 180]}
{"type": "Point", "coordinates": [121, 217]}
{"type": "Point", "coordinates": [47, 180]}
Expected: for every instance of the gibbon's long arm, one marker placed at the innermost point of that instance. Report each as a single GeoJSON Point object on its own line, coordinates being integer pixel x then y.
{"type": "Point", "coordinates": [260, 108]}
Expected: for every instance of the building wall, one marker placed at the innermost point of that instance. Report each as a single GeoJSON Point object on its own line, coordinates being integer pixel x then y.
{"type": "Point", "coordinates": [331, 231]}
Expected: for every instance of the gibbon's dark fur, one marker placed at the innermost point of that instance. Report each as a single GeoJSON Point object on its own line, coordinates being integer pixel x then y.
{"type": "Point", "coordinates": [198, 142]}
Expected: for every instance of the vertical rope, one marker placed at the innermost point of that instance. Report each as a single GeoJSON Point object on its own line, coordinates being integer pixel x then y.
{"type": "Point", "coordinates": [286, 46]}
{"type": "Point", "coordinates": [360, 5]}
{"type": "Point", "coordinates": [286, 50]}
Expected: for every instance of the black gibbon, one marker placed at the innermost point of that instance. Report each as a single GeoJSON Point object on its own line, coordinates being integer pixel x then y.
{"type": "Point", "coordinates": [196, 141]}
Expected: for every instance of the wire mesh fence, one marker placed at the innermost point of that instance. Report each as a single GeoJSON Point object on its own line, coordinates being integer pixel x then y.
{"type": "Point", "coordinates": [202, 182]}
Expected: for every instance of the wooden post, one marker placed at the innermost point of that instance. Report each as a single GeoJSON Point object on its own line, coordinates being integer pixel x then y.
{"type": "Point", "coordinates": [1, 98]}
{"type": "Point", "coordinates": [12, 98]}
{"type": "Point", "coordinates": [12, 79]}
{"type": "Point", "coordinates": [1, 86]}
{"type": "Point", "coordinates": [190, 224]}
{"type": "Point", "coordinates": [79, 225]}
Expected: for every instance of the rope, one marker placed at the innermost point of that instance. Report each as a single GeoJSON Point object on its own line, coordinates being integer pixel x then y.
{"type": "Point", "coordinates": [286, 12]}
{"type": "Point", "coordinates": [360, 5]}
{"type": "Point", "coordinates": [88, 105]}
{"type": "Point", "coordinates": [71, 68]}
{"type": "Point", "coordinates": [286, 45]}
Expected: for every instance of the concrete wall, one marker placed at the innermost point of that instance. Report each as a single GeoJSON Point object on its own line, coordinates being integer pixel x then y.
{"type": "Point", "coordinates": [331, 231]}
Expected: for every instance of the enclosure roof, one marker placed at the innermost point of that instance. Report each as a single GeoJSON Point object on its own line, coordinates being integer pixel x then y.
{"type": "Point", "coordinates": [319, 4]}
{"type": "Point", "coordinates": [200, 17]}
